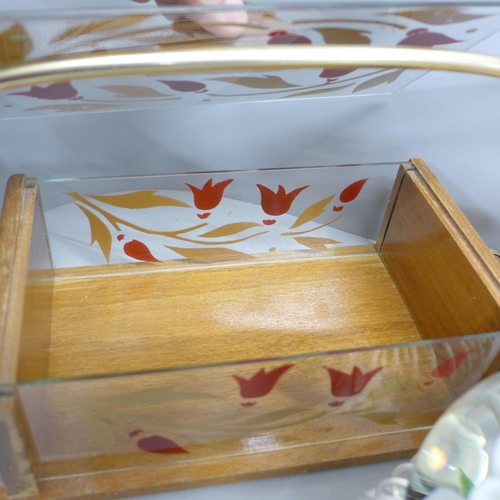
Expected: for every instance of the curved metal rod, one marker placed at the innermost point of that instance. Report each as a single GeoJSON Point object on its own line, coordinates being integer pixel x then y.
{"type": "Point", "coordinates": [221, 59]}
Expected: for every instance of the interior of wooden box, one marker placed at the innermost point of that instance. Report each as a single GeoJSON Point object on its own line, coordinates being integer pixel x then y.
{"type": "Point", "coordinates": [129, 321]}
{"type": "Point", "coordinates": [428, 276]}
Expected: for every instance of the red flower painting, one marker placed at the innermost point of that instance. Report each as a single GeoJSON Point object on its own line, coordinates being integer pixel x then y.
{"type": "Point", "coordinates": [345, 385]}
{"type": "Point", "coordinates": [209, 196]}
{"type": "Point", "coordinates": [280, 202]}
{"type": "Point", "coordinates": [54, 91]}
{"type": "Point", "coordinates": [261, 383]}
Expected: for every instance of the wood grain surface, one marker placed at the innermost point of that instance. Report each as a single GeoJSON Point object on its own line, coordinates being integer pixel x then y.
{"type": "Point", "coordinates": [446, 275]}
{"type": "Point", "coordinates": [214, 314]}
{"type": "Point", "coordinates": [16, 472]}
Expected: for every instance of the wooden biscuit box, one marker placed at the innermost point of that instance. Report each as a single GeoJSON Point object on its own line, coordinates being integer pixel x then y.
{"type": "Point", "coordinates": [223, 365]}
{"type": "Point", "coordinates": [175, 330]}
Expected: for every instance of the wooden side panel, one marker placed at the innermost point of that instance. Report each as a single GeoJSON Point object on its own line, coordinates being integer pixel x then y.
{"type": "Point", "coordinates": [396, 188]}
{"type": "Point", "coordinates": [444, 271]}
{"type": "Point", "coordinates": [35, 337]}
{"type": "Point", "coordinates": [171, 477]}
{"type": "Point", "coordinates": [16, 472]}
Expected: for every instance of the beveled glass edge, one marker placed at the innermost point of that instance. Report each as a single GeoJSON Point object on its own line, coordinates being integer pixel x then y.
{"type": "Point", "coordinates": [42, 181]}
{"type": "Point", "coordinates": [8, 388]}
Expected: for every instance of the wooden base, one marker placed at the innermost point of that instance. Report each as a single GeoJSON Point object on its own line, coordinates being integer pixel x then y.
{"type": "Point", "coordinates": [213, 314]}
{"type": "Point", "coordinates": [119, 484]}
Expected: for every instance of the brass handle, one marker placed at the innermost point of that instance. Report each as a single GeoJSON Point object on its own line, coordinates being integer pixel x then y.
{"type": "Point", "coordinates": [133, 62]}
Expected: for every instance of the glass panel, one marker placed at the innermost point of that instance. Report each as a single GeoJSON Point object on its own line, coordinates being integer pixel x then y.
{"type": "Point", "coordinates": [215, 216]}
{"type": "Point", "coordinates": [193, 414]}
{"type": "Point", "coordinates": [27, 36]}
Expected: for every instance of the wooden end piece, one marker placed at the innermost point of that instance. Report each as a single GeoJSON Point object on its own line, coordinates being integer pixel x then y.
{"type": "Point", "coordinates": [445, 273]}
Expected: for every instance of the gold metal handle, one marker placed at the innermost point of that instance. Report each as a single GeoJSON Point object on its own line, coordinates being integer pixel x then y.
{"type": "Point", "coordinates": [220, 59]}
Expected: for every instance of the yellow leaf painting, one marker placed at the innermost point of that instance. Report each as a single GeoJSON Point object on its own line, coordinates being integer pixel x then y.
{"type": "Point", "coordinates": [210, 254]}
{"type": "Point", "coordinates": [315, 243]}
{"type": "Point", "coordinates": [136, 91]}
{"type": "Point", "coordinates": [139, 199]}
{"type": "Point", "coordinates": [99, 232]}
{"type": "Point", "coordinates": [258, 82]}
{"type": "Point", "coordinates": [102, 26]}
{"type": "Point", "coordinates": [229, 229]}
{"type": "Point", "coordinates": [15, 45]}
{"type": "Point", "coordinates": [313, 211]}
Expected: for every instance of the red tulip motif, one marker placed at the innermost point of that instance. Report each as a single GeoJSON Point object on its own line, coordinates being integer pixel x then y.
{"type": "Point", "coordinates": [209, 196]}
{"type": "Point", "coordinates": [345, 385]}
{"type": "Point", "coordinates": [54, 91]}
{"type": "Point", "coordinates": [261, 383]}
{"type": "Point", "coordinates": [280, 202]}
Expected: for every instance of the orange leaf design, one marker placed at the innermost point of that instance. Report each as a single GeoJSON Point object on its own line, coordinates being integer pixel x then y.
{"type": "Point", "coordinates": [343, 36]}
{"type": "Point", "coordinates": [315, 243]}
{"type": "Point", "coordinates": [139, 199]}
{"type": "Point", "coordinates": [258, 82]}
{"type": "Point", "coordinates": [440, 16]}
{"type": "Point", "coordinates": [228, 229]}
{"type": "Point", "coordinates": [15, 45]}
{"type": "Point", "coordinates": [312, 212]}
{"type": "Point", "coordinates": [99, 232]}
{"type": "Point", "coordinates": [318, 91]}
{"type": "Point", "coordinates": [101, 26]}
{"type": "Point", "coordinates": [74, 108]}
{"type": "Point", "coordinates": [379, 80]}
{"type": "Point", "coordinates": [134, 91]}
{"type": "Point", "coordinates": [209, 254]}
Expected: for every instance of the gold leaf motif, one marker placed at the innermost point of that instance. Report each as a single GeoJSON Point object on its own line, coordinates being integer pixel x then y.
{"type": "Point", "coordinates": [258, 82]}
{"type": "Point", "coordinates": [134, 91]}
{"type": "Point", "coordinates": [155, 395]}
{"type": "Point", "coordinates": [139, 199]}
{"type": "Point", "coordinates": [72, 108]}
{"type": "Point", "coordinates": [99, 232]}
{"type": "Point", "coordinates": [98, 432]}
{"type": "Point", "coordinates": [315, 243]}
{"type": "Point", "coordinates": [343, 36]}
{"type": "Point", "coordinates": [298, 233]}
{"type": "Point", "coordinates": [272, 416]}
{"type": "Point", "coordinates": [438, 17]}
{"type": "Point", "coordinates": [383, 418]}
{"type": "Point", "coordinates": [379, 80]}
{"type": "Point", "coordinates": [389, 387]}
{"type": "Point", "coordinates": [228, 229]}
{"type": "Point", "coordinates": [282, 425]}
{"type": "Point", "coordinates": [312, 212]}
{"type": "Point", "coordinates": [210, 254]}
{"type": "Point", "coordinates": [102, 26]}
{"type": "Point", "coordinates": [15, 45]}
{"type": "Point", "coordinates": [318, 91]}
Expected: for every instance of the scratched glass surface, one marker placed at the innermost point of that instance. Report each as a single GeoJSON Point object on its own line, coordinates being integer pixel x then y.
{"type": "Point", "coordinates": [36, 35]}
{"type": "Point", "coordinates": [188, 414]}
